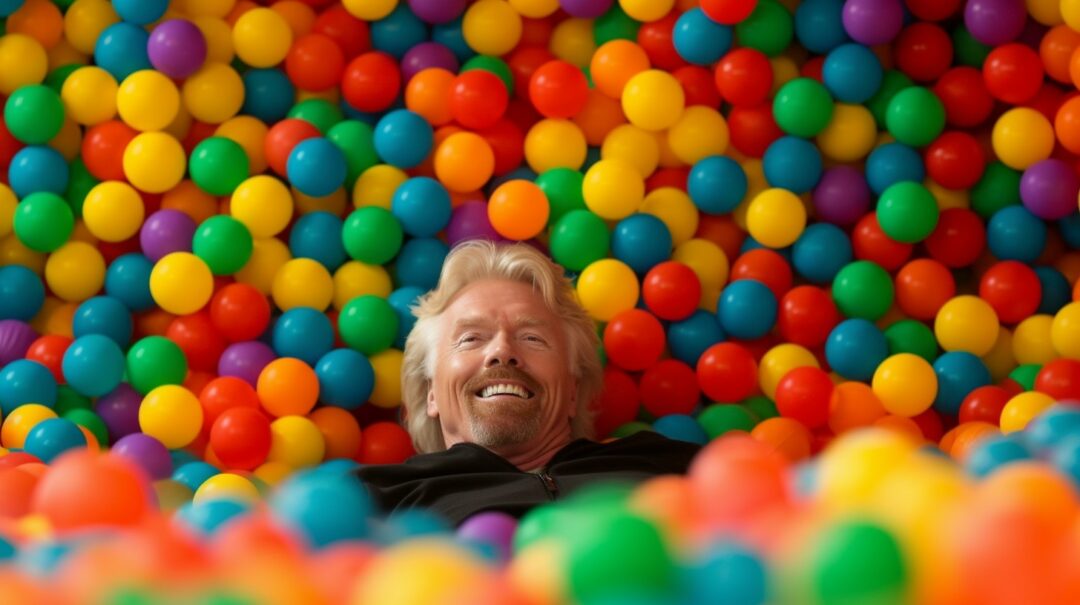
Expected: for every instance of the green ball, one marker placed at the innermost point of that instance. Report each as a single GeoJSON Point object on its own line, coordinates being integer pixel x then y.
{"type": "Point", "coordinates": [91, 422]}
{"type": "Point", "coordinates": [56, 78]}
{"type": "Point", "coordinates": [863, 289]}
{"type": "Point", "coordinates": [67, 399]}
{"type": "Point", "coordinates": [562, 186]}
{"type": "Point", "coordinates": [322, 114]}
{"type": "Point", "coordinates": [579, 239]}
{"type": "Point", "coordinates": [893, 82]}
{"type": "Point", "coordinates": [803, 107]}
{"type": "Point", "coordinates": [43, 221]}
{"type": "Point", "coordinates": [368, 324]}
{"type": "Point", "coordinates": [80, 182]}
{"type": "Point", "coordinates": [357, 141]}
{"type": "Point", "coordinates": [224, 244]}
{"type": "Point", "coordinates": [912, 336]}
{"type": "Point", "coordinates": [857, 561]}
{"type": "Point", "coordinates": [539, 523]}
{"type": "Point", "coordinates": [631, 428]}
{"type": "Point", "coordinates": [372, 235]}
{"type": "Point", "coordinates": [720, 418]}
{"type": "Point", "coordinates": [155, 361]}
{"type": "Point", "coordinates": [218, 165]}
{"type": "Point", "coordinates": [496, 66]}
{"type": "Point", "coordinates": [615, 25]}
{"type": "Point", "coordinates": [769, 28]}
{"type": "Point", "coordinates": [761, 406]}
{"type": "Point", "coordinates": [999, 187]}
{"type": "Point", "coordinates": [967, 50]}
{"type": "Point", "coordinates": [915, 116]}
{"type": "Point", "coordinates": [1024, 375]}
{"type": "Point", "coordinates": [34, 114]}
{"type": "Point", "coordinates": [907, 212]}
{"type": "Point", "coordinates": [622, 554]}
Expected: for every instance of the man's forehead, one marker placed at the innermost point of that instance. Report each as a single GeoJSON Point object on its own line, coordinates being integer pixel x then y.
{"type": "Point", "coordinates": [520, 321]}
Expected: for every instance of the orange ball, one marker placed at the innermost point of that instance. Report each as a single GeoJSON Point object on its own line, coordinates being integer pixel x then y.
{"type": "Point", "coordinates": [427, 93]}
{"type": "Point", "coordinates": [853, 405]}
{"type": "Point", "coordinates": [1067, 123]}
{"type": "Point", "coordinates": [340, 431]}
{"type": "Point", "coordinates": [600, 116]}
{"type": "Point", "coordinates": [614, 63]}
{"type": "Point", "coordinates": [518, 209]}
{"type": "Point", "coordinates": [39, 19]}
{"type": "Point", "coordinates": [902, 425]}
{"type": "Point", "coordinates": [464, 161]}
{"type": "Point", "coordinates": [16, 492]}
{"type": "Point", "coordinates": [85, 489]}
{"type": "Point", "coordinates": [1056, 50]}
{"type": "Point", "coordinates": [287, 387]}
{"type": "Point", "coordinates": [787, 436]}
{"type": "Point", "coordinates": [1034, 487]}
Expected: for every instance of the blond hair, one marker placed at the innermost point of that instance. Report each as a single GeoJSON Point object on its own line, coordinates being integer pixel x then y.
{"type": "Point", "coordinates": [476, 260]}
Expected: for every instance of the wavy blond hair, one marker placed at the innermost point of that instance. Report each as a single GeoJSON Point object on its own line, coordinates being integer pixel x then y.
{"type": "Point", "coordinates": [472, 261]}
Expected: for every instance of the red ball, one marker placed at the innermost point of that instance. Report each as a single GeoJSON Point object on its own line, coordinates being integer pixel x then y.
{"type": "Point", "coordinates": [240, 312]}
{"type": "Point", "coordinates": [351, 34]}
{"type": "Point", "coordinates": [507, 143]}
{"type": "Point", "coordinates": [558, 89]}
{"type": "Point", "coordinates": [671, 290]}
{"type": "Point", "coordinates": [698, 86]}
{"type": "Point", "coordinates": [922, 287]}
{"type": "Point", "coordinates": [1013, 289]}
{"type": "Point", "coordinates": [1060, 379]}
{"type": "Point", "coordinates": [744, 77]}
{"type": "Point", "coordinates": [225, 393]}
{"type": "Point", "coordinates": [727, 372]}
{"type": "Point", "coordinates": [371, 82]}
{"type": "Point", "coordinates": [384, 443]}
{"type": "Point", "coordinates": [103, 149]}
{"type": "Point", "coordinates": [959, 238]}
{"type": "Point", "coordinates": [1013, 73]}
{"type": "Point", "coordinates": [240, 437]}
{"type": "Point", "coordinates": [933, 10]}
{"type": "Point", "coordinates": [657, 39]}
{"type": "Point", "coordinates": [478, 98]}
{"type": "Point", "coordinates": [670, 177]}
{"type": "Point", "coordinates": [871, 243]}
{"type": "Point", "coordinates": [670, 387]}
{"type": "Point", "coordinates": [930, 424]}
{"type": "Point", "coordinates": [9, 146]}
{"type": "Point", "coordinates": [728, 12]}
{"type": "Point", "coordinates": [955, 160]}
{"type": "Point", "coordinates": [804, 394]}
{"type": "Point", "coordinates": [282, 137]}
{"type": "Point", "coordinates": [814, 68]}
{"type": "Point", "coordinates": [923, 51]}
{"type": "Point", "coordinates": [984, 404]}
{"type": "Point", "coordinates": [49, 351]}
{"type": "Point", "coordinates": [618, 403]}
{"type": "Point", "coordinates": [807, 315]}
{"type": "Point", "coordinates": [199, 339]}
{"type": "Point", "coordinates": [753, 129]}
{"type": "Point", "coordinates": [634, 339]}
{"type": "Point", "coordinates": [523, 63]}
{"type": "Point", "coordinates": [963, 93]}
{"type": "Point", "coordinates": [315, 62]}
{"type": "Point", "coordinates": [765, 265]}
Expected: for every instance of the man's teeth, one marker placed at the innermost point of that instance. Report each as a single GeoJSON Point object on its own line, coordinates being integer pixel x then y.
{"type": "Point", "coordinates": [504, 389]}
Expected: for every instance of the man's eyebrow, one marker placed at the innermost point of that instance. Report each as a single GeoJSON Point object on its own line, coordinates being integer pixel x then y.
{"type": "Point", "coordinates": [526, 321]}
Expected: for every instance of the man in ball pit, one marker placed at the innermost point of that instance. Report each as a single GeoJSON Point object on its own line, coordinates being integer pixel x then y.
{"type": "Point", "coordinates": [499, 374]}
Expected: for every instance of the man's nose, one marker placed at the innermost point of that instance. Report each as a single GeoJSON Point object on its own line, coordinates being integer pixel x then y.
{"type": "Point", "coordinates": [501, 351]}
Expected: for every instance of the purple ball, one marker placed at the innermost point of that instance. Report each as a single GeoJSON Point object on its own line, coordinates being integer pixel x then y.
{"type": "Point", "coordinates": [425, 55]}
{"type": "Point", "coordinates": [995, 22]}
{"type": "Point", "coordinates": [470, 221]}
{"type": "Point", "coordinates": [145, 452]}
{"type": "Point", "coordinates": [165, 232]}
{"type": "Point", "coordinates": [436, 12]}
{"type": "Point", "coordinates": [245, 360]}
{"type": "Point", "coordinates": [120, 411]}
{"type": "Point", "coordinates": [842, 196]}
{"type": "Point", "coordinates": [493, 528]}
{"type": "Point", "coordinates": [177, 48]}
{"type": "Point", "coordinates": [15, 339]}
{"type": "Point", "coordinates": [586, 9]}
{"type": "Point", "coordinates": [873, 22]}
{"type": "Point", "coordinates": [1049, 189]}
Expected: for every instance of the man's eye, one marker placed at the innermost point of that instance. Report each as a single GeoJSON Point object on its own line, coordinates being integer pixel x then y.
{"type": "Point", "coordinates": [534, 338]}
{"type": "Point", "coordinates": [469, 338]}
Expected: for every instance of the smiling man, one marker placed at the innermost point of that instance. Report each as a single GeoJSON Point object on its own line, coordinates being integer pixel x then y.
{"type": "Point", "coordinates": [500, 373]}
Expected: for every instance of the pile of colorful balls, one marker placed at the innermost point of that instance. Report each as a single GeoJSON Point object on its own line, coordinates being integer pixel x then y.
{"type": "Point", "coordinates": [836, 241]}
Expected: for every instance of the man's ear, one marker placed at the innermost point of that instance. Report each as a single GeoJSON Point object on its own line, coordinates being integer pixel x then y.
{"type": "Point", "coordinates": [432, 408]}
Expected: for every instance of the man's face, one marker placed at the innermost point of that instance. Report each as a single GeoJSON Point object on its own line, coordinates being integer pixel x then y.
{"type": "Point", "coordinates": [502, 369]}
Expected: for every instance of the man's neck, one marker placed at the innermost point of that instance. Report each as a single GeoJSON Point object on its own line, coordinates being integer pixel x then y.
{"type": "Point", "coordinates": [536, 455]}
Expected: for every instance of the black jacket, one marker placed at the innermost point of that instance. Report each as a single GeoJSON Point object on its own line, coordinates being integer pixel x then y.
{"type": "Point", "coordinates": [467, 478]}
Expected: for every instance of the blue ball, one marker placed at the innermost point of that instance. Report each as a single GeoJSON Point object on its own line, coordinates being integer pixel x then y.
{"type": "Point", "coordinates": [1070, 230]}
{"type": "Point", "coordinates": [749, 243]}
{"type": "Point", "coordinates": [21, 293]}
{"type": "Point", "coordinates": [820, 252]}
{"type": "Point", "coordinates": [855, 348]}
{"type": "Point", "coordinates": [317, 235]}
{"type": "Point", "coordinates": [746, 309]}
{"type": "Point", "coordinates": [6, 8]}
{"type": "Point", "coordinates": [128, 280]}
{"type": "Point", "coordinates": [194, 474]}
{"type": "Point", "coordinates": [140, 12]}
{"type": "Point", "coordinates": [642, 241]}
{"type": "Point", "coordinates": [181, 457]}
{"type": "Point", "coordinates": [346, 378]}
{"type": "Point", "coordinates": [958, 373]}
{"type": "Point", "coordinates": [451, 36]}
{"type": "Point", "coordinates": [792, 163]}
{"type": "Point", "coordinates": [93, 365]}
{"type": "Point", "coordinates": [717, 184]}
{"type": "Point", "coordinates": [420, 262]}
{"type": "Point", "coordinates": [521, 173]}
{"type": "Point", "coordinates": [893, 163]}
{"type": "Point", "coordinates": [303, 333]}
{"type": "Point", "coordinates": [1066, 459]}
{"type": "Point", "coordinates": [337, 467]}
{"type": "Point", "coordinates": [409, 523]}
{"type": "Point", "coordinates": [52, 437]}
{"type": "Point", "coordinates": [992, 453]}
{"type": "Point", "coordinates": [24, 381]}
{"type": "Point", "coordinates": [681, 427]}
{"type": "Point", "coordinates": [323, 508]}
{"type": "Point", "coordinates": [691, 337]}
{"type": "Point", "coordinates": [7, 550]}
{"type": "Point", "coordinates": [403, 138]}
{"type": "Point", "coordinates": [852, 73]}
{"type": "Point", "coordinates": [38, 168]}
{"type": "Point", "coordinates": [397, 32]}
{"type": "Point", "coordinates": [121, 50]}
{"type": "Point", "coordinates": [729, 573]}
{"type": "Point", "coordinates": [401, 300]}
{"type": "Point", "coordinates": [819, 25]}
{"type": "Point", "coordinates": [1014, 233]}
{"type": "Point", "coordinates": [316, 167]}
{"type": "Point", "coordinates": [204, 518]}
{"type": "Point", "coordinates": [1052, 428]}
{"type": "Point", "coordinates": [1056, 291]}
{"type": "Point", "coordinates": [105, 315]}
{"type": "Point", "coordinates": [422, 206]}
{"type": "Point", "coordinates": [268, 94]}
{"type": "Point", "coordinates": [700, 40]}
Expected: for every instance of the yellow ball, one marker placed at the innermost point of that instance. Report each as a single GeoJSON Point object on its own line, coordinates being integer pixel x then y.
{"type": "Point", "coordinates": [14, 252]}
{"type": "Point", "coordinates": [1021, 137]}
{"type": "Point", "coordinates": [8, 202]}
{"type": "Point", "coordinates": [85, 20]}
{"type": "Point", "coordinates": [21, 421]}
{"type": "Point", "coordinates": [700, 132]}
{"type": "Point", "coordinates": [966, 323]}
{"type": "Point", "coordinates": [780, 360]}
{"type": "Point", "coordinates": [1032, 342]}
{"type": "Point", "coordinates": [776, 217]}
{"type": "Point", "coordinates": [387, 366]}
{"type": "Point", "coordinates": [646, 10]}
{"type": "Point", "coordinates": [573, 41]}
{"type": "Point", "coordinates": [370, 10]}
{"type": "Point", "coordinates": [69, 140]}
{"type": "Point", "coordinates": [172, 415]}
{"type": "Point", "coordinates": [181, 283]}
{"type": "Point", "coordinates": [113, 211]}
{"type": "Point", "coordinates": [295, 441]}
{"type": "Point", "coordinates": [555, 144]}
{"type": "Point", "coordinates": [535, 9]}
{"type": "Point", "coordinates": [355, 278]}
{"type": "Point", "coordinates": [613, 189]}
{"type": "Point", "coordinates": [948, 198]}
{"type": "Point", "coordinates": [218, 34]}
{"type": "Point", "coordinates": [632, 145]}
{"type": "Point", "coordinates": [22, 61]}
{"type": "Point", "coordinates": [226, 486]}
{"type": "Point", "coordinates": [491, 27]}
{"type": "Point", "coordinates": [154, 162]}
{"type": "Point", "coordinates": [75, 271]}
{"type": "Point", "coordinates": [250, 133]}
{"type": "Point", "coordinates": [1065, 331]}
{"type": "Point", "coordinates": [784, 70]}
{"type": "Point", "coordinates": [335, 203]}
{"type": "Point", "coordinates": [1000, 360]}
{"type": "Point", "coordinates": [273, 473]}
{"type": "Point", "coordinates": [268, 255]}
{"type": "Point", "coordinates": [676, 209]}
{"type": "Point", "coordinates": [906, 384]}
{"type": "Point", "coordinates": [606, 288]}
{"type": "Point", "coordinates": [206, 8]}
{"type": "Point", "coordinates": [1046, 12]}
{"type": "Point", "coordinates": [709, 262]}
{"type": "Point", "coordinates": [90, 95]}
{"type": "Point", "coordinates": [419, 572]}
{"type": "Point", "coordinates": [303, 282]}
{"type": "Point", "coordinates": [851, 134]}
{"type": "Point", "coordinates": [214, 94]}
{"type": "Point", "coordinates": [376, 186]}
{"type": "Point", "coordinates": [262, 37]}
{"type": "Point", "coordinates": [856, 465]}
{"type": "Point", "coordinates": [653, 100]}
{"type": "Point", "coordinates": [147, 100]}
{"type": "Point", "coordinates": [1022, 409]}
{"type": "Point", "coordinates": [263, 204]}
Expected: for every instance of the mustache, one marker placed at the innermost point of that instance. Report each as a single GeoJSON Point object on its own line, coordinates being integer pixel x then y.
{"type": "Point", "coordinates": [508, 373]}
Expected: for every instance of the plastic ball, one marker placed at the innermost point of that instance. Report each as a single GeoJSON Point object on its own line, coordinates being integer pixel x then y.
{"type": "Point", "coordinates": [802, 107]}
{"type": "Point", "coordinates": [804, 394]}
{"type": "Point", "coordinates": [992, 22]}
{"type": "Point", "coordinates": [34, 114]}
{"type": "Point", "coordinates": [906, 384]}
{"type": "Point", "coordinates": [147, 100]}
{"type": "Point", "coordinates": [154, 162]}
{"type": "Point", "coordinates": [172, 415]}
{"type": "Point", "coordinates": [700, 39]}
{"type": "Point", "coordinates": [915, 116]}
{"type": "Point", "coordinates": [671, 290]}
{"type": "Point", "coordinates": [1049, 189]}
{"type": "Point", "coordinates": [403, 138]}
{"type": "Point", "coordinates": [93, 365]}
{"type": "Point", "coordinates": [820, 252]}
{"type": "Point", "coordinates": [717, 184]}
{"type": "Point", "coordinates": [181, 283]}
{"type": "Point", "coordinates": [113, 211]}
{"type": "Point", "coordinates": [907, 212]}
{"type": "Point", "coordinates": [634, 339]}
{"type": "Point", "coordinates": [296, 441]}
{"type": "Point", "coordinates": [263, 204]}
{"type": "Point", "coordinates": [855, 348]}
{"type": "Point", "coordinates": [43, 221]}
{"type": "Point", "coordinates": [852, 73]}
{"type": "Point", "coordinates": [422, 206]}
{"type": "Point", "coordinates": [316, 167]}
{"type": "Point", "coordinates": [23, 382]}
{"type": "Point", "coordinates": [1021, 409]}
{"type": "Point", "coordinates": [863, 289]}
{"type": "Point", "coordinates": [262, 37]}
{"type": "Point", "coordinates": [958, 374]}
{"type": "Point", "coordinates": [1064, 328]}
{"type": "Point", "coordinates": [37, 168]}
{"type": "Point", "coordinates": [226, 486]}
{"type": "Point", "coordinates": [606, 288]}
{"type": "Point", "coordinates": [613, 189]}
{"type": "Point", "coordinates": [641, 241]}
{"type": "Point", "coordinates": [464, 161]}
{"type": "Point", "coordinates": [110, 492]}
{"type": "Point", "coordinates": [747, 309]}
{"type": "Point", "coordinates": [653, 100]}
{"type": "Point", "coordinates": [966, 323]}
{"type": "Point", "coordinates": [793, 164]}
{"type": "Point", "coordinates": [103, 315]}
{"type": "Point", "coordinates": [1022, 137]}
{"type": "Point", "coordinates": [121, 50]}
{"type": "Point", "coordinates": [23, 61]}
{"type": "Point", "coordinates": [776, 217]}
{"type": "Point", "coordinates": [553, 144]}
{"type": "Point", "coordinates": [372, 235]}
{"type": "Point", "coordinates": [579, 239]}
